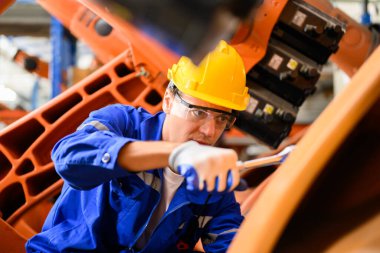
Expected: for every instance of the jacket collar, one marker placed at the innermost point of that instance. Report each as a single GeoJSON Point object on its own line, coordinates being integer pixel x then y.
{"type": "Point", "coordinates": [151, 128]}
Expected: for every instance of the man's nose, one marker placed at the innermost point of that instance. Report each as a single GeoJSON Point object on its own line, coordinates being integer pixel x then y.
{"type": "Point", "coordinates": [208, 127]}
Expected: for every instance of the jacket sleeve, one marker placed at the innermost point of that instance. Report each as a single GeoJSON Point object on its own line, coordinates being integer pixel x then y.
{"type": "Point", "coordinates": [221, 229]}
{"type": "Point", "coordinates": [88, 157]}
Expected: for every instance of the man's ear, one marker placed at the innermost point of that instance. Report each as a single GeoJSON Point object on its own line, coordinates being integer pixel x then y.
{"type": "Point", "coordinates": [167, 101]}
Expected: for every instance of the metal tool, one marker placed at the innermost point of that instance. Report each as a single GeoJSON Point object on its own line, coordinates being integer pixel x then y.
{"type": "Point", "coordinates": [279, 158]}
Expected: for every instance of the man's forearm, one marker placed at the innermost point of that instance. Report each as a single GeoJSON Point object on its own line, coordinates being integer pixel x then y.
{"type": "Point", "coordinates": [144, 155]}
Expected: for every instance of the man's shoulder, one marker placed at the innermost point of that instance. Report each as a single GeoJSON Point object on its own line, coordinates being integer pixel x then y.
{"type": "Point", "coordinates": [124, 109]}
{"type": "Point", "coordinates": [129, 108]}
{"type": "Point", "coordinates": [120, 107]}
{"type": "Point", "coordinates": [137, 116]}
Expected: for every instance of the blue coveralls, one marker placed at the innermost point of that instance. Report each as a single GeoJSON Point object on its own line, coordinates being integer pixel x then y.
{"type": "Point", "coordinates": [104, 208]}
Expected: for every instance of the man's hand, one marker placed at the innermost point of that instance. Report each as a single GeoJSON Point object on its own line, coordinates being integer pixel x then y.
{"type": "Point", "coordinates": [206, 165]}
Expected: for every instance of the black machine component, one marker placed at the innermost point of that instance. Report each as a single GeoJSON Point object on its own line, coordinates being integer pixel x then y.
{"type": "Point", "coordinates": [309, 31]}
{"type": "Point", "coordinates": [302, 40]}
{"type": "Point", "coordinates": [268, 117]}
{"type": "Point", "coordinates": [286, 72]}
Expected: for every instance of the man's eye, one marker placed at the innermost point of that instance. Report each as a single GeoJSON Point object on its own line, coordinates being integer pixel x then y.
{"type": "Point", "coordinates": [222, 119]}
{"type": "Point", "coordinates": [199, 114]}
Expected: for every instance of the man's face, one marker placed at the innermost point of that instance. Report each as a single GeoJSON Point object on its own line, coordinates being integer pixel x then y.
{"type": "Point", "coordinates": [181, 125]}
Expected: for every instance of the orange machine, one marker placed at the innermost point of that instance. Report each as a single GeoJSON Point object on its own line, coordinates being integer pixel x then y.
{"type": "Point", "coordinates": [134, 73]}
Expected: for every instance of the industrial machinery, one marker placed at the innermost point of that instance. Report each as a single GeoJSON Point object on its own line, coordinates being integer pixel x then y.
{"type": "Point", "coordinates": [284, 45]}
{"type": "Point", "coordinates": [283, 63]}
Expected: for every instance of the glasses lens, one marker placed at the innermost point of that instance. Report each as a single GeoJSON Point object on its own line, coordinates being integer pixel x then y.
{"type": "Point", "coordinates": [193, 113]}
{"type": "Point", "coordinates": [197, 114]}
{"type": "Point", "coordinates": [225, 120]}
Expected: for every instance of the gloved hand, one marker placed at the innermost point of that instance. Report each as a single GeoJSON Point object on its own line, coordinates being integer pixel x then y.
{"type": "Point", "coordinates": [206, 165]}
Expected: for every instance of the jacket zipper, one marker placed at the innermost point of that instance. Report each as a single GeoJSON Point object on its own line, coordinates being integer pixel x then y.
{"type": "Point", "coordinates": [164, 217]}
{"type": "Point", "coordinates": [146, 223]}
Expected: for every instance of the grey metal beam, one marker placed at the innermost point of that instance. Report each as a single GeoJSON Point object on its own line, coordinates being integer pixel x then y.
{"type": "Point", "coordinates": [25, 19]}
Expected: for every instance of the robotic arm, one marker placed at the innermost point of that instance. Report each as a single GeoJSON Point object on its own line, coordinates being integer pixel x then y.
{"type": "Point", "coordinates": [284, 45]}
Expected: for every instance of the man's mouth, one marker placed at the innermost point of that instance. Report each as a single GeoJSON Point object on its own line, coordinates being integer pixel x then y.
{"type": "Point", "coordinates": [202, 142]}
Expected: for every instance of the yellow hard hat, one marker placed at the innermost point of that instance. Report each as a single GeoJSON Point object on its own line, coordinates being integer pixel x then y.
{"type": "Point", "coordinates": [219, 79]}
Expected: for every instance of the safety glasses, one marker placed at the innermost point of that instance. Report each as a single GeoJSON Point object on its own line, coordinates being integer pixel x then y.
{"type": "Point", "coordinates": [195, 113]}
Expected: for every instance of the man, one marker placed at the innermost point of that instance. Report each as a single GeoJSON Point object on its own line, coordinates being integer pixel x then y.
{"type": "Point", "coordinates": [152, 183]}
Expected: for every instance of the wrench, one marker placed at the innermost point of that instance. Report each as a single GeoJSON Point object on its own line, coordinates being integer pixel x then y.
{"type": "Point", "coordinates": [279, 158]}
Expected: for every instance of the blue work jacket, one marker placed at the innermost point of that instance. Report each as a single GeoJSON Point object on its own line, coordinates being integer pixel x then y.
{"type": "Point", "coordinates": [104, 208]}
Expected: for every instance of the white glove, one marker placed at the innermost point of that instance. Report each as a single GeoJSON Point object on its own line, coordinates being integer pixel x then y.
{"type": "Point", "coordinates": [201, 164]}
